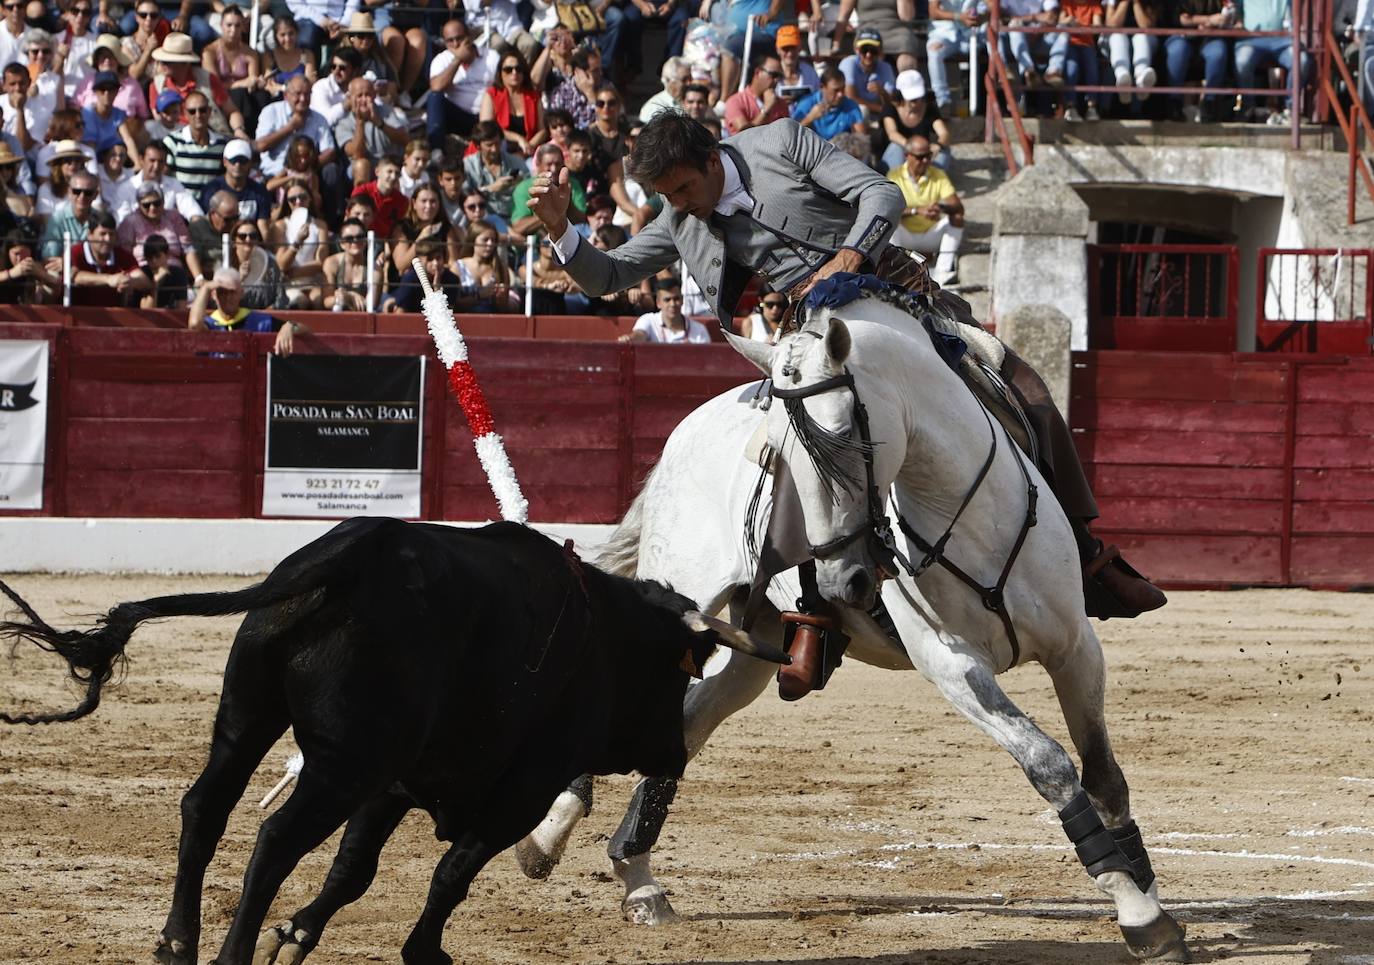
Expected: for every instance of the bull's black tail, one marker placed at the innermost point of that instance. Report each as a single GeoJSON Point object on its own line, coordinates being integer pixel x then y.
{"type": "Point", "coordinates": [93, 655]}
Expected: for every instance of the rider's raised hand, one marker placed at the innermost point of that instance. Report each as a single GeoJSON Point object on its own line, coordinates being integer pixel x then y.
{"type": "Point", "coordinates": [549, 200]}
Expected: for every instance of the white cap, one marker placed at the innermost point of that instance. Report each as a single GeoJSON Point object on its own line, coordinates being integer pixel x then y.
{"type": "Point", "coordinates": [911, 85]}
{"type": "Point", "coordinates": [238, 148]}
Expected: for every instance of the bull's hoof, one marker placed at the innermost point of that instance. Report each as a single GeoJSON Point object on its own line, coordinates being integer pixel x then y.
{"type": "Point", "coordinates": [1159, 941]}
{"type": "Point", "coordinates": [173, 951]}
{"type": "Point", "coordinates": [414, 955]}
{"type": "Point", "coordinates": [283, 945]}
{"type": "Point", "coordinates": [534, 862]}
{"type": "Point", "coordinates": [648, 908]}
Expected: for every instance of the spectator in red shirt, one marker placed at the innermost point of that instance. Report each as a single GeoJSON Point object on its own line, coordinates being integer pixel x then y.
{"type": "Point", "coordinates": [759, 103]}
{"type": "Point", "coordinates": [103, 273]}
{"type": "Point", "coordinates": [385, 193]}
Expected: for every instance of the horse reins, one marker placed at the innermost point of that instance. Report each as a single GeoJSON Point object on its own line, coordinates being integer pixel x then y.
{"type": "Point", "coordinates": [882, 541]}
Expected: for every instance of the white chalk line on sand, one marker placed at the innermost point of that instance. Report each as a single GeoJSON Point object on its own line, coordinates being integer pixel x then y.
{"type": "Point", "coordinates": [1359, 780]}
{"type": "Point", "coordinates": [998, 846]}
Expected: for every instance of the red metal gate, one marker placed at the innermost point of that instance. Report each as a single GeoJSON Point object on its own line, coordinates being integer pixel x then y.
{"type": "Point", "coordinates": [1163, 297]}
{"type": "Point", "coordinates": [1314, 300]}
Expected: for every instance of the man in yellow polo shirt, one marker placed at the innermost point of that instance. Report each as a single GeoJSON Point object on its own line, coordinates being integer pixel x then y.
{"type": "Point", "coordinates": [933, 218]}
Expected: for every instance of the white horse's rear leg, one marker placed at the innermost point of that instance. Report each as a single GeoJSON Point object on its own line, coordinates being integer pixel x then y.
{"type": "Point", "coordinates": [970, 685]}
{"type": "Point", "coordinates": [734, 686]}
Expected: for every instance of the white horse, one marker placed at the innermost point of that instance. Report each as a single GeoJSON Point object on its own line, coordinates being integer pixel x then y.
{"type": "Point", "coordinates": [931, 439]}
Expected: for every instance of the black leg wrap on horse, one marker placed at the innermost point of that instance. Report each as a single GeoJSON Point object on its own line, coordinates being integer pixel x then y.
{"type": "Point", "coordinates": [644, 820]}
{"type": "Point", "coordinates": [582, 790]}
{"type": "Point", "coordinates": [1097, 849]}
{"type": "Point", "coordinates": [1128, 840]}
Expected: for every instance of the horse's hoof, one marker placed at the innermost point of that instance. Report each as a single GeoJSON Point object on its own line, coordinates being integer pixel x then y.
{"type": "Point", "coordinates": [534, 862]}
{"type": "Point", "coordinates": [648, 909]}
{"type": "Point", "coordinates": [1159, 941]}
{"type": "Point", "coordinates": [283, 945]}
{"type": "Point", "coordinates": [173, 951]}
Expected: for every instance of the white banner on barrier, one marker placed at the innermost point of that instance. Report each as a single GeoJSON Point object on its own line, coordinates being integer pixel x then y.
{"type": "Point", "coordinates": [23, 422]}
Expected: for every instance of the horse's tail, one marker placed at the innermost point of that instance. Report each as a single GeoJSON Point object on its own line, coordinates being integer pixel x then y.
{"type": "Point", "coordinates": [93, 655]}
{"type": "Point", "coordinates": [620, 553]}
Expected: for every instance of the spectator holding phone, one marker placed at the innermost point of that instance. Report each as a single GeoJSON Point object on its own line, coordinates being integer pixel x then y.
{"type": "Point", "coordinates": [796, 73]}
{"type": "Point", "coordinates": [932, 214]}
{"type": "Point", "coordinates": [491, 170]}
{"type": "Point", "coordinates": [759, 102]}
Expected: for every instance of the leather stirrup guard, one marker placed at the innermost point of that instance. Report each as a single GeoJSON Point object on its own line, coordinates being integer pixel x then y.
{"type": "Point", "coordinates": [1097, 849]}
{"type": "Point", "coordinates": [1133, 847]}
{"type": "Point", "coordinates": [804, 639]}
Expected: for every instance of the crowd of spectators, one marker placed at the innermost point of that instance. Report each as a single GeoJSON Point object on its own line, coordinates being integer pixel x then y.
{"type": "Point", "coordinates": [302, 155]}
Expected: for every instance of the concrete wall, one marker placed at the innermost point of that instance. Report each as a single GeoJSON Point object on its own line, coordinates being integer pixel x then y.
{"type": "Point", "coordinates": [1255, 197]}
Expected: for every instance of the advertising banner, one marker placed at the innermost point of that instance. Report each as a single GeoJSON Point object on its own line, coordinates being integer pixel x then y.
{"type": "Point", "coordinates": [344, 435]}
{"type": "Point", "coordinates": [23, 422]}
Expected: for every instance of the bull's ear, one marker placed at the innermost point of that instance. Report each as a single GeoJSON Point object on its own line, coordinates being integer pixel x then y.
{"type": "Point", "coordinates": [733, 637]}
{"type": "Point", "coordinates": [760, 353]}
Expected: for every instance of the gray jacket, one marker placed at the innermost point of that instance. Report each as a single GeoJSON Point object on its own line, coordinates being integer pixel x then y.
{"type": "Point", "coordinates": [803, 188]}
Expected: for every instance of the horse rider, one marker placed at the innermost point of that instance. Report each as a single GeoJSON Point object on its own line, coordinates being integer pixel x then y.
{"type": "Point", "coordinates": [780, 202]}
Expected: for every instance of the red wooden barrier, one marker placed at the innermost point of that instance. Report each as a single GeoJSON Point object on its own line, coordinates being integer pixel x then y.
{"type": "Point", "coordinates": [1209, 469]}
{"type": "Point", "coordinates": [1232, 469]}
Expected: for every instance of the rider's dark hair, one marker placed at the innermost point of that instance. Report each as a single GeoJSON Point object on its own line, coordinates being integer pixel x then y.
{"type": "Point", "coordinates": [670, 139]}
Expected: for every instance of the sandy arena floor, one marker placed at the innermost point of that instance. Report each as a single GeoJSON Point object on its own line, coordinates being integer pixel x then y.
{"type": "Point", "coordinates": [867, 824]}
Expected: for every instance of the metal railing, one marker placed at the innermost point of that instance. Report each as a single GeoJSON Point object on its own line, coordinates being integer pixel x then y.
{"type": "Point", "coordinates": [1308, 31]}
{"type": "Point", "coordinates": [1352, 123]}
{"type": "Point", "coordinates": [1314, 300]}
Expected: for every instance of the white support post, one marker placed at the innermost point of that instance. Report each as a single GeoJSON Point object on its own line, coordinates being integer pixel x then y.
{"type": "Point", "coordinates": [66, 269]}
{"type": "Point", "coordinates": [371, 270]}
{"type": "Point", "coordinates": [530, 242]}
{"type": "Point", "coordinates": [748, 46]}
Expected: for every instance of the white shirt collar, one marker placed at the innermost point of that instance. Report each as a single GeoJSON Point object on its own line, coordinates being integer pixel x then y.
{"type": "Point", "coordinates": [733, 196]}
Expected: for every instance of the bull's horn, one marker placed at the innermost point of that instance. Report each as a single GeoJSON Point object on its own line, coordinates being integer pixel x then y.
{"type": "Point", "coordinates": [733, 637]}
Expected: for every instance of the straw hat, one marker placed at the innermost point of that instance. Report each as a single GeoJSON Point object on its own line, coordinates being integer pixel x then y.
{"type": "Point", "coordinates": [360, 23]}
{"type": "Point", "coordinates": [65, 149]}
{"type": "Point", "coordinates": [7, 155]}
{"type": "Point", "coordinates": [176, 49]}
{"type": "Point", "coordinates": [111, 43]}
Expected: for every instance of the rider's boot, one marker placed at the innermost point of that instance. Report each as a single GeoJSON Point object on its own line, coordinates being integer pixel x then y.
{"type": "Point", "coordinates": [1111, 586]}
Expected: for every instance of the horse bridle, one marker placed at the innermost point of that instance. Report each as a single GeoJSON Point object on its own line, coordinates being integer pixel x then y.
{"type": "Point", "coordinates": [883, 545]}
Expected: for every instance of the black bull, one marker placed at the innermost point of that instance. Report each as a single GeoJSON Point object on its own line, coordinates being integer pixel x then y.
{"type": "Point", "coordinates": [473, 673]}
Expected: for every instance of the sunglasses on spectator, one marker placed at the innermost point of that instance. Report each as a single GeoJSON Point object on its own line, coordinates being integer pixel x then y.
{"type": "Point", "coordinates": [775, 74]}
{"type": "Point", "coordinates": [38, 51]}
{"type": "Point", "coordinates": [921, 156]}
{"type": "Point", "coordinates": [474, 205]}
{"type": "Point", "coordinates": [339, 67]}
{"type": "Point", "coordinates": [773, 303]}
{"type": "Point", "coordinates": [511, 68]}
{"type": "Point", "coordinates": [82, 11]}
{"type": "Point", "coordinates": [13, 6]}
{"type": "Point", "coordinates": [298, 199]}
{"type": "Point", "coordinates": [246, 236]}
{"type": "Point", "coordinates": [352, 239]}
{"type": "Point", "coordinates": [197, 110]}
{"type": "Point", "coordinates": [84, 192]}
{"type": "Point", "coordinates": [607, 103]}
{"type": "Point", "coordinates": [146, 14]}
{"type": "Point", "coordinates": [236, 160]}
{"type": "Point", "coordinates": [150, 204]}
